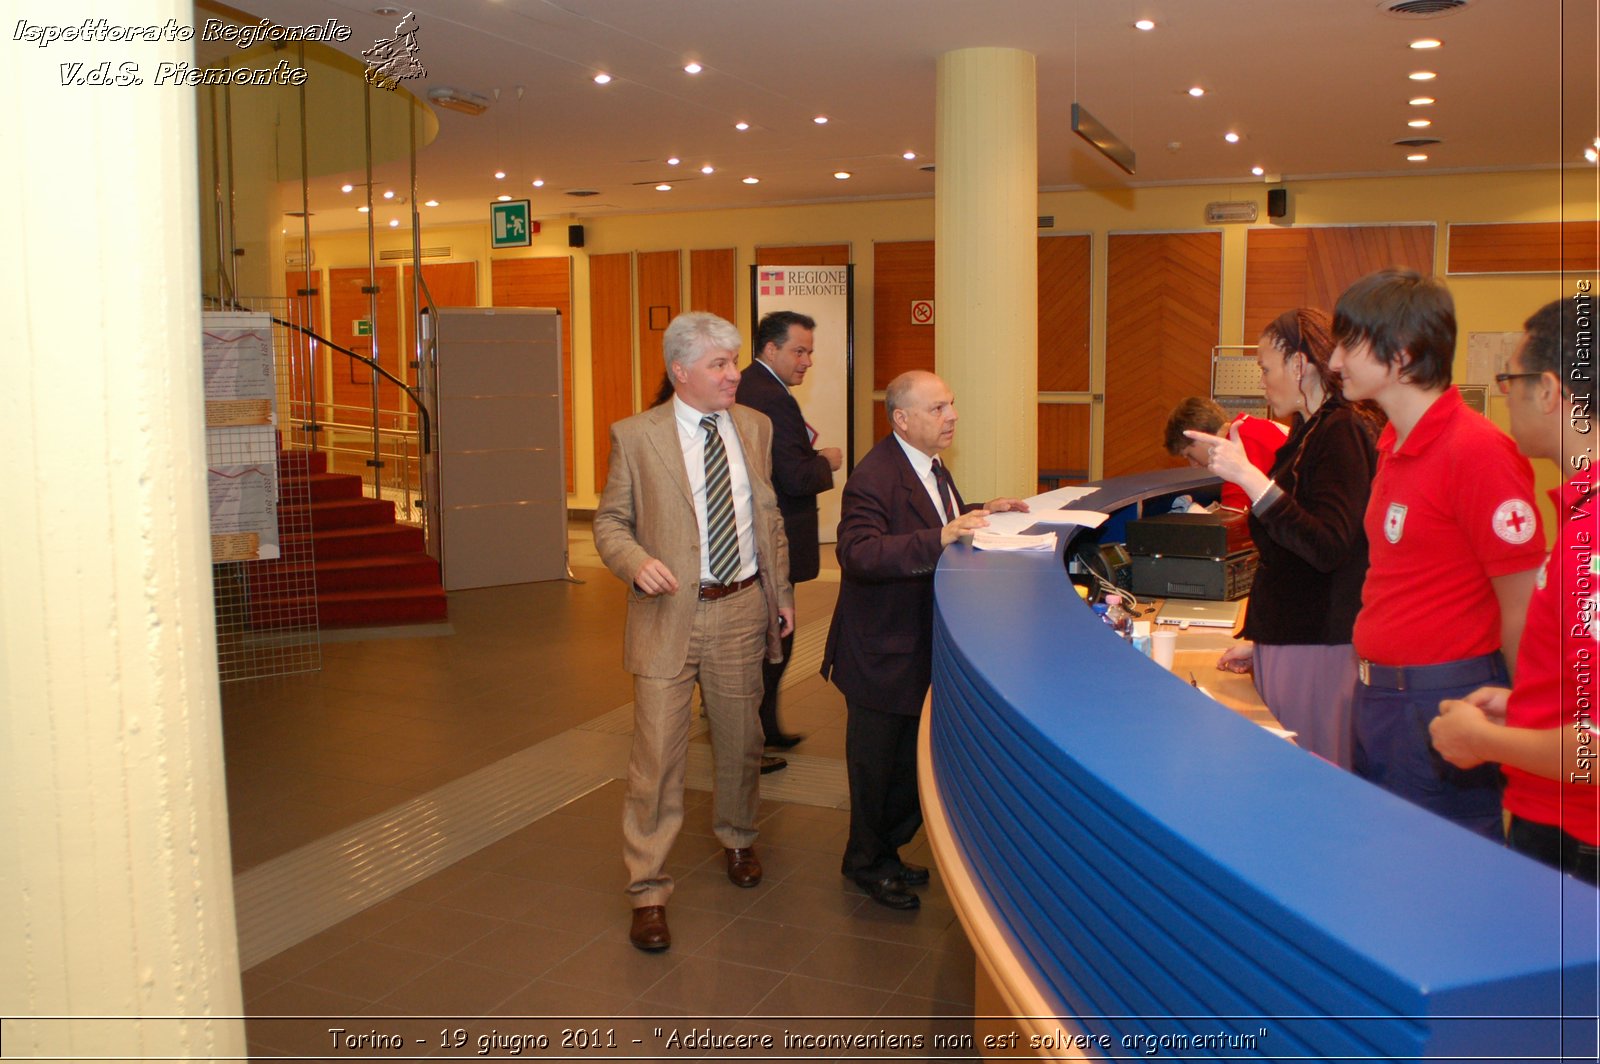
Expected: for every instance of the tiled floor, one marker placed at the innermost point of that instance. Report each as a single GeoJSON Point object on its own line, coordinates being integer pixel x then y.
{"type": "Point", "coordinates": [534, 924]}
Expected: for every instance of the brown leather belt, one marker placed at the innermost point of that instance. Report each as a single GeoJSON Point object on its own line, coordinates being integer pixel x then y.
{"type": "Point", "coordinates": [712, 592]}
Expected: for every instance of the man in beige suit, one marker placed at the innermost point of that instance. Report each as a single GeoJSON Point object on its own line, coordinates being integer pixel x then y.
{"type": "Point", "coordinates": [690, 522]}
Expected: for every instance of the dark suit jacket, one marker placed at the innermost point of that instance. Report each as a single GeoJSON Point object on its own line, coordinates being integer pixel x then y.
{"type": "Point", "coordinates": [880, 646]}
{"type": "Point", "coordinates": [799, 473]}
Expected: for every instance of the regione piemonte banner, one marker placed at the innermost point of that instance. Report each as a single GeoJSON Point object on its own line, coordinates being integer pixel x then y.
{"type": "Point", "coordinates": [824, 293]}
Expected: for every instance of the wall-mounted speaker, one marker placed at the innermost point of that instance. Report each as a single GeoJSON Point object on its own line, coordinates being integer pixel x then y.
{"type": "Point", "coordinates": [574, 236]}
{"type": "Point", "coordinates": [1277, 202]}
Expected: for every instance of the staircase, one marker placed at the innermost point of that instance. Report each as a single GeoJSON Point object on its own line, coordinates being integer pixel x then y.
{"type": "Point", "coordinates": [369, 571]}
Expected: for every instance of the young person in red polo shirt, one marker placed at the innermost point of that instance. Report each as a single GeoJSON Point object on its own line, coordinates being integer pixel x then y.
{"type": "Point", "coordinates": [1259, 437]}
{"type": "Point", "coordinates": [1541, 731]}
{"type": "Point", "coordinates": [1453, 539]}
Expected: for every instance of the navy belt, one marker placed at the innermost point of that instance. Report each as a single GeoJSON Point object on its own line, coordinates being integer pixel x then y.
{"type": "Point", "coordinates": [712, 592]}
{"type": "Point", "coordinates": [1482, 669]}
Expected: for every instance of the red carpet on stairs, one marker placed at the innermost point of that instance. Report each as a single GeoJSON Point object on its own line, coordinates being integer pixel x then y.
{"type": "Point", "coordinates": [369, 570]}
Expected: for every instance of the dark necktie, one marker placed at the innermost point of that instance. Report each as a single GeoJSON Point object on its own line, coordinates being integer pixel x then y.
{"type": "Point", "coordinates": [722, 533]}
{"type": "Point", "coordinates": [941, 477]}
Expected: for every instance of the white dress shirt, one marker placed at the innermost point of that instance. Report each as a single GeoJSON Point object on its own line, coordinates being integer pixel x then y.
{"type": "Point", "coordinates": [922, 465]}
{"type": "Point", "coordinates": [692, 438]}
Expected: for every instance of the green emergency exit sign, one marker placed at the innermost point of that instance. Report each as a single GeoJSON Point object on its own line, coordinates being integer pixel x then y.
{"type": "Point", "coordinates": [509, 224]}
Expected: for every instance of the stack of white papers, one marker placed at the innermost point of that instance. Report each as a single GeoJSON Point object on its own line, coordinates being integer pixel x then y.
{"type": "Point", "coordinates": [984, 539]}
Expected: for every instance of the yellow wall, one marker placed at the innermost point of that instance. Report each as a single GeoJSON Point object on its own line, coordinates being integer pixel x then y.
{"type": "Point", "coordinates": [1484, 303]}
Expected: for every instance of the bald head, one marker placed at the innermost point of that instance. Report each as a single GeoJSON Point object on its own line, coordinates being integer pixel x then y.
{"type": "Point", "coordinates": [921, 410]}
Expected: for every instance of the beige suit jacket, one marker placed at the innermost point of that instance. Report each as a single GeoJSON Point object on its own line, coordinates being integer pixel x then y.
{"type": "Point", "coordinates": [647, 512]}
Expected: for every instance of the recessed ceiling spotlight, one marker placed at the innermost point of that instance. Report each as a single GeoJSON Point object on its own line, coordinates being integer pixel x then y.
{"type": "Point", "coordinates": [663, 187]}
{"type": "Point", "coordinates": [602, 79]}
{"type": "Point", "coordinates": [386, 11]}
{"type": "Point", "coordinates": [394, 223]}
{"type": "Point", "coordinates": [695, 68]}
{"type": "Point", "coordinates": [362, 209]}
{"type": "Point", "coordinates": [1422, 75]}
{"type": "Point", "coordinates": [1144, 24]}
{"type": "Point", "coordinates": [1416, 157]}
{"type": "Point", "coordinates": [674, 161]}
{"type": "Point", "coordinates": [1258, 171]}
{"type": "Point", "coordinates": [389, 194]}
{"type": "Point", "coordinates": [431, 203]}
{"type": "Point", "coordinates": [708, 169]}
{"type": "Point", "coordinates": [1592, 155]}
{"type": "Point", "coordinates": [503, 199]}
{"type": "Point", "coordinates": [821, 120]}
{"type": "Point", "coordinates": [752, 181]}
{"type": "Point", "coordinates": [908, 155]}
{"type": "Point", "coordinates": [1231, 137]}
{"type": "Point", "coordinates": [347, 188]}
{"type": "Point", "coordinates": [741, 126]}
{"type": "Point", "coordinates": [1419, 123]}
{"type": "Point", "coordinates": [1421, 101]}
{"type": "Point", "coordinates": [538, 182]}
{"type": "Point", "coordinates": [1425, 43]}
{"type": "Point", "coordinates": [499, 175]}
{"type": "Point", "coordinates": [841, 175]}
{"type": "Point", "coordinates": [1197, 92]}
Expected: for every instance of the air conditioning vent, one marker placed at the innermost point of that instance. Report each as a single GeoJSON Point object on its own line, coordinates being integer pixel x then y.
{"type": "Point", "coordinates": [1047, 221]}
{"type": "Point", "coordinates": [1226, 212]}
{"type": "Point", "coordinates": [1421, 8]}
{"type": "Point", "coordinates": [402, 255]}
{"type": "Point", "coordinates": [1417, 142]}
{"type": "Point", "coordinates": [581, 192]}
{"type": "Point", "coordinates": [299, 260]}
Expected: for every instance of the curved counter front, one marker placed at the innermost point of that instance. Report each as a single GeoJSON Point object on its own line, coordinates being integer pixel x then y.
{"type": "Point", "coordinates": [1172, 878]}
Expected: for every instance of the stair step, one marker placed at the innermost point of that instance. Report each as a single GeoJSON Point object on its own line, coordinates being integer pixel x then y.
{"type": "Point", "coordinates": [302, 463]}
{"type": "Point", "coordinates": [352, 609]}
{"type": "Point", "coordinates": [320, 487]}
{"type": "Point", "coordinates": [338, 513]}
{"type": "Point", "coordinates": [355, 542]}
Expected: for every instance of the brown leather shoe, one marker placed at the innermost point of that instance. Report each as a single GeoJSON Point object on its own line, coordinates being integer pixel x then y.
{"type": "Point", "coordinates": [744, 868]}
{"type": "Point", "coordinates": [649, 931]}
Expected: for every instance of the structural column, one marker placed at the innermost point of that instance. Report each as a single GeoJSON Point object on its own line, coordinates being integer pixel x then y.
{"type": "Point", "coordinates": [986, 196]}
{"type": "Point", "coordinates": [116, 894]}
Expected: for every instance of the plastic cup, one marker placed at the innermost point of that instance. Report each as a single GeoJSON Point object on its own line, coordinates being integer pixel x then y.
{"type": "Point", "coordinates": [1163, 646]}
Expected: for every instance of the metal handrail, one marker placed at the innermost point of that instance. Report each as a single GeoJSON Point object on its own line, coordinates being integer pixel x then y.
{"type": "Point", "coordinates": [416, 400]}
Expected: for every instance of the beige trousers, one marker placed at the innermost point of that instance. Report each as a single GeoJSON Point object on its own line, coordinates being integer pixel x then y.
{"type": "Point", "coordinates": [726, 648]}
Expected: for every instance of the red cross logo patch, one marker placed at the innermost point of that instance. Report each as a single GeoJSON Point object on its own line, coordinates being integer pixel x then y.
{"type": "Point", "coordinates": [1394, 522]}
{"type": "Point", "coordinates": [1514, 521]}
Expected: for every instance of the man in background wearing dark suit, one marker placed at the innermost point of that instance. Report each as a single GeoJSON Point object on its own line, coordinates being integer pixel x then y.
{"type": "Point", "coordinates": [899, 511]}
{"type": "Point", "coordinates": [800, 472]}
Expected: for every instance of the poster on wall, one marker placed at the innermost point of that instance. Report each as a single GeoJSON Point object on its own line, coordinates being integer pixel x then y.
{"type": "Point", "coordinates": [241, 435]}
{"type": "Point", "coordinates": [827, 294]}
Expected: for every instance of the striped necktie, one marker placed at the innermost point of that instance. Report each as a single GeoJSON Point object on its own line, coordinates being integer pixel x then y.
{"type": "Point", "coordinates": [941, 477]}
{"type": "Point", "coordinates": [722, 534]}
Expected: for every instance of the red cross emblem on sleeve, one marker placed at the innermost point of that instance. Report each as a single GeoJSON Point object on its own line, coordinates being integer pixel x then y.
{"type": "Point", "coordinates": [1514, 521]}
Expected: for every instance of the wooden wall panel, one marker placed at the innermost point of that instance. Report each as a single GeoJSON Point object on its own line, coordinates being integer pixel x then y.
{"type": "Point", "coordinates": [452, 284]}
{"type": "Point", "coordinates": [1063, 314]}
{"type": "Point", "coordinates": [880, 428]}
{"type": "Point", "coordinates": [350, 381]}
{"type": "Point", "coordinates": [713, 282]}
{"type": "Point", "coordinates": [1063, 444]}
{"type": "Point", "coordinates": [544, 282]}
{"type": "Point", "coordinates": [1310, 266]}
{"type": "Point", "coordinates": [901, 273]}
{"type": "Point", "coordinates": [1524, 247]}
{"type": "Point", "coordinates": [660, 287]}
{"type": "Point", "coordinates": [1162, 320]}
{"type": "Point", "coordinates": [611, 350]}
{"type": "Point", "coordinates": [804, 255]}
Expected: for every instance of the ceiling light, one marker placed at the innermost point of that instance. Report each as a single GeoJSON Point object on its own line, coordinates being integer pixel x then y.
{"type": "Point", "coordinates": [821, 120]}
{"type": "Point", "coordinates": [394, 223]}
{"type": "Point", "coordinates": [674, 161]}
{"type": "Point", "coordinates": [1416, 157]}
{"type": "Point", "coordinates": [841, 175]}
{"type": "Point", "coordinates": [663, 187]}
{"type": "Point", "coordinates": [1144, 24]}
{"type": "Point", "coordinates": [602, 79]}
{"type": "Point", "coordinates": [347, 188]}
{"type": "Point", "coordinates": [468, 103]}
{"type": "Point", "coordinates": [695, 68]}
{"type": "Point", "coordinates": [499, 175]}
{"type": "Point", "coordinates": [752, 181]}
{"type": "Point", "coordinates": [1258, 171]}
{"type": "Point", "coordinates": [1422, 75]}
{"type": "Point", "coordinates": [1419, 123]}
{"type": "Point", "coordinates": [908, 155]}
{"type": "Point", "coordinates": [431, 203]}
{"type": "Point", "coordinates": [538, 182]}
{"type": "Point", "coordinates": [389, 194]}
{"type": "Point", "coordinates": [708, 169]}
{"type": "Point", "coordinates": [1231, 137]}
{"type": "Point", "coordinates": [1592, 155]}
{"type": "Point", "coordinates": [363, 210]}
{"type": "Point", "coordinates": [1421, 101]}
{"type": "Point", "coordinates": [1197, 91]}
{"type": "Point", "coordinates": [741, 126]}
{"type": "Point", "coordinates": [503, 199]}
{"type": "Point", "coordinates": [1425, 42]}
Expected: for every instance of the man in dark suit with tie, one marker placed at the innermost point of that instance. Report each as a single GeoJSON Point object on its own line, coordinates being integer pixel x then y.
{"type": "Point", "coordinates": [899, 511]}
{"type": "Point", "coordinates": [800, 472]}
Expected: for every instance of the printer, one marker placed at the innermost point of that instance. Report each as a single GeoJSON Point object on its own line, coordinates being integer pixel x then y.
{"type": "Point", "coordinates": [1197, 556]}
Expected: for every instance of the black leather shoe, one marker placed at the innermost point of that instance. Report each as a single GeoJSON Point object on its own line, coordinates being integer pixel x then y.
{"type": "Point", "coordinates": [784, 740]}
{"type": "Point", "coordinates": [890, 892]}
{"type": "Point", "coordinates": [913, 874]}
{"type": "Point", "coordinates": [772, 764]}
{"type": "Point", "coordinates": [649, 931]}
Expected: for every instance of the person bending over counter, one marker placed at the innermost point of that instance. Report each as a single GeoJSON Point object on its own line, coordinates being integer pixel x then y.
{"type": "Point", "coordinates": [1453, 542]}
{"type": "Point", "coordinates": [1259, 437]}
{"type": "Point", "coordinates": [1305, 518]}
{"type": "Point", "coordinates": [900, 509]}
{"type": "Point", "coordinates": [1541, 731]}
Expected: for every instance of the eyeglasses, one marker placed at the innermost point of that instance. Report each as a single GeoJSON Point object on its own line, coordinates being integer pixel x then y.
{"type": "Point", "coordinates": [1503, 380]}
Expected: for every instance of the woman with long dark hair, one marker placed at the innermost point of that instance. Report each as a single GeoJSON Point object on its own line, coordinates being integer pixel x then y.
{"type": "Point", "coordinates": [1305, 517]}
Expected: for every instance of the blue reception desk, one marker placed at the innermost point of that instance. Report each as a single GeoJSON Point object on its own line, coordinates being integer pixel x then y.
{"type": "Point", "coordinates": [1178, 882]}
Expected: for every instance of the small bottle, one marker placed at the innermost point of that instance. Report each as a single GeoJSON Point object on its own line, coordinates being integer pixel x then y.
{"type": "Point", "coordinates": [1141, 637]}
{"type": "Point", "coordinates": [1116, 616]}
